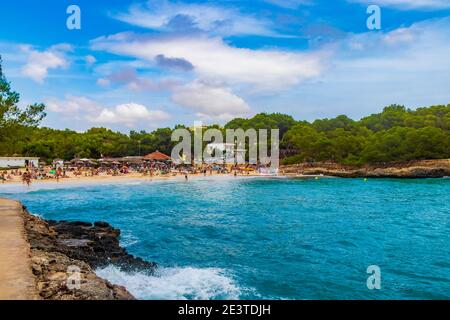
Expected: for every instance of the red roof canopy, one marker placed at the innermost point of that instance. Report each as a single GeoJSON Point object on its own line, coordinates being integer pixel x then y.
{"type": "Point", "coordinates": [158, 156]}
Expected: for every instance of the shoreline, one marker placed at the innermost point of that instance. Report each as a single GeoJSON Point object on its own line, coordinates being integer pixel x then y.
{"type": "Point", "coordinates": [125, 178]}
{"type": "Point", "coordinates": [396, 170]}
{"type": "Point", "coordinates": [411, 170]}
{"type": "Point", "coordinates": [420, 169]}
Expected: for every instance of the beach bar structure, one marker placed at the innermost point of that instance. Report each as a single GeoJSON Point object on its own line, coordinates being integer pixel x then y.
{"type": "Point", "coordinates": [157, 156]}
{"type": "Point", "coordinates": [19, 162]}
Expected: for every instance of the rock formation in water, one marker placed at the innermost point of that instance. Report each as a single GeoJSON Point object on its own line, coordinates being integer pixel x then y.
{"type": "Point", "coordinates": [57, 248]}
{"type": "Point", "coordinates": [409, 170]}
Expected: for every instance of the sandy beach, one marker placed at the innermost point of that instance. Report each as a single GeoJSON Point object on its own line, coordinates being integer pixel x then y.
{"type": "Point", "coordinates": [118, 179]}
{"type": "Point", "coordinates": [412, 169]}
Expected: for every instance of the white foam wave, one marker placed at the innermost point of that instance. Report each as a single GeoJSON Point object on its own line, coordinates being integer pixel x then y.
{"type": "Point", "coordinates": [175, 283]}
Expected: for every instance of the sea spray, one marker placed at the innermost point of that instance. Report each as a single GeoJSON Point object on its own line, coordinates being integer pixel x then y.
{"type": "Point", "coordinates": [175, 283]}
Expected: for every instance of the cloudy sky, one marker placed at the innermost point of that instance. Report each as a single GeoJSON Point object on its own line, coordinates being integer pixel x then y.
{"type": "Point", "coordinates": [148, 64]}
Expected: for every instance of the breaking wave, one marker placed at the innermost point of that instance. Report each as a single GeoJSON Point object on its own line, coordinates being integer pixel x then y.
{"type": "Point", "coordinates": [175, 283]}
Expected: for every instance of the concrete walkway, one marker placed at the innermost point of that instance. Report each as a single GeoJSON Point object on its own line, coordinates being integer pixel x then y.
{"type": "Point", "coordinates": [16, 279]}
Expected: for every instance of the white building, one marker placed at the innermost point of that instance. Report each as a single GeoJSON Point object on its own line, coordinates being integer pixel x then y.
{"type": "Point", "coordinates": [18, 162]}
{"type": "Point", "coordinates": [225, 153]}
{"type": "Point", "coordinates": [240, 156]}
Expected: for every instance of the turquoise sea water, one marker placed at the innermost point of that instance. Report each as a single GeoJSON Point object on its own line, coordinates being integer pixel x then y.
{"type": "Point", "coordinates": [268, 238]}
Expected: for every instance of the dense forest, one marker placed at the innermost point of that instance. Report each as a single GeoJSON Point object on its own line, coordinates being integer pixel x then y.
{"type": "Point", "coordinates": [395, 134]}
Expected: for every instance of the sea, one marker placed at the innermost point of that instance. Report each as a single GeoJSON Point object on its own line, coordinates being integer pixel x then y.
{"type": "Point", "coordinates": [267, 237]}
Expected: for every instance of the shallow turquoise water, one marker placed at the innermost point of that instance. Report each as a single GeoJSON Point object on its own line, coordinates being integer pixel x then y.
{"type": "Point", "coordinates": [238, 238]}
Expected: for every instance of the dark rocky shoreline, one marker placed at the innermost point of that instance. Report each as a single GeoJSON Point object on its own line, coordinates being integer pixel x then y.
{"type": "Point", "coordinates": [55, 247]}
{"type": "Point", "coordinates": [399, 170]}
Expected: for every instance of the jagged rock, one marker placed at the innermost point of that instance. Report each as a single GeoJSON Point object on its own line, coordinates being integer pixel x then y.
{"type": "Point", "coordinates": [56, 246]}
{"type": "Point", "coordinates": [97, 244]}
{"type": "Point", "coordinates": [409, 170]}
{"type": "Point", "coordinates": [50, 269]}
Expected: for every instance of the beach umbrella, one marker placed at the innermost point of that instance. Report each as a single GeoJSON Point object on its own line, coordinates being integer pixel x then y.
{"type": "Point", "coordinates": [157, 156]}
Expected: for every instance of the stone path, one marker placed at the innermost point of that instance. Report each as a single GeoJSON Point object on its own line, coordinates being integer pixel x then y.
{"type": "Point", "coordinates": [16, 279]}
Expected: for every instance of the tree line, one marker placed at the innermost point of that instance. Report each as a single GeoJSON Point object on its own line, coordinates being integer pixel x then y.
{"type": "Point", "coordinates": [395, 134]}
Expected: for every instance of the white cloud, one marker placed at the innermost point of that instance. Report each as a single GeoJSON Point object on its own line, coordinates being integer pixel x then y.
{"type": "Point", "coordinates": [103, 82]}
{"type": "Point", "coordinates": [409, 4]}
{"type": "Point", "coordinates": [129, 78]}
{"type": "Point", "coordinates": [72, 105]}
{"type": "Point", "coordinates": [214, 60]}
{"type": "Point", "coordinates": [398, 36]}
{"type": "Point", "coordinates": [408, 66]}
{"type": "Point", "coordinates": [166, 15]}
{"type": "Point", "coordinates": [90, 59]}
{"type": "Point", "coordinates": [128, 114]}
{"type": "Point", "coordinates": [83, 108]}
{"type": "Point", "coordinates": [424, 46]}
{"type": "Point", "coordinates": [290, 4]}
{"type": "Point", "coordinates": [40, 62]}
{"type": "Point", "coordinates": [211, 101]}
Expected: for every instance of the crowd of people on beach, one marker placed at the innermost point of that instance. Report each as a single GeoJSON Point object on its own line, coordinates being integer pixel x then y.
{"type": "Point", "coordinates": [26, 176]}
{"type": "Point", "coordinates": [150, 169]}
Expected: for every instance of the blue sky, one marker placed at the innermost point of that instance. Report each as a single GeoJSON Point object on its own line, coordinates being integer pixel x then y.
{"type": "Point", "coordinates": [149, 64]}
